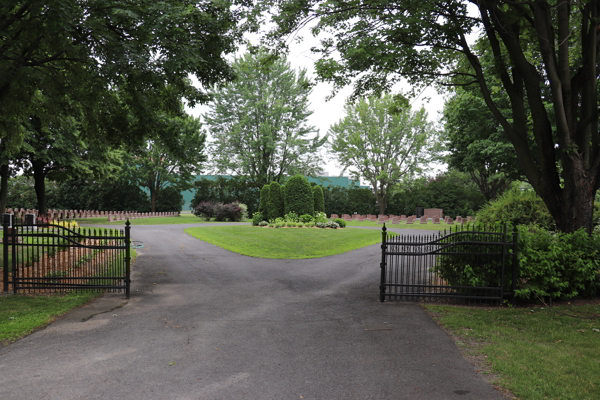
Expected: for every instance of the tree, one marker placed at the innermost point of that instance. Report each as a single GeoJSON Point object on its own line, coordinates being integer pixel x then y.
{"type": "Point", "coordinates": [382, 141]}
{"type": "Point", "coordinates": [299, 196]}
{"type": "Point", "coordinates": [544, 57]}
{"type": "Point", "coordinates": [477, 145]}
{"type": "Point", "coordinates": [263, 208]}
{"type": "Point", "coordinates": [259, 122]}
{"type": "Point", "coordinates": [318, 198]}
{"type": "Point", "coordinates": [158, 166]}
{"type": "Point", "coordinates": [84, 50]}
{"type": "Point", "coordinates": [275, 201]}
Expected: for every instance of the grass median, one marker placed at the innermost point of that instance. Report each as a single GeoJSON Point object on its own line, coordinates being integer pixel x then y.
{"type": "Point", "coordinates": [538, 353]}
{"type": "Point", "coordinates": [287, 243]}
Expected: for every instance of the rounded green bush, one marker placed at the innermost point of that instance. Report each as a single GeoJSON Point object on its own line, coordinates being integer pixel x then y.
{"type": "Point", "coordinates": [275, 201]}
{"type": "Point", "coordinates": [319, 199]}
{"type": "Point", "coordinates": [263, 206]}
{"type": "Point", "coordinates": [517, 207]}
{"type": "Point", "coordinates": [340, 222]}
{"type": "Point", "coordinates": [299, 196]}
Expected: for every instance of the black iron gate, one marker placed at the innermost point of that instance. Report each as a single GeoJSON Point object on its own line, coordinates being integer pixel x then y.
{"type": "Point", "coordinates": [42, 257]}
{"type": "Point", "coordinates": [465, 264]}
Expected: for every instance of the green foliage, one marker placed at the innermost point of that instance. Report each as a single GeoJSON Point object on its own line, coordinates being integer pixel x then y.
{"type": "Point", "coordinates": [340, 222]}
{"type": "Point", "coordinates": [341, 200]}
{"type": "Point", "coordinates": [169, 199]}
{"type": "Point", "coordinates": [227, 190]}
{"type": "Point", "coordinates": [291, 217]}
{"type": "Point", "coordinates": [263, 208]}
{"type": "Point", "coordinates": [259, 122]}
{"type": "Point", "coordinates": [477, 144]}
{"type": "Point", "coordinates": [553, 136]}
{"type": "Point", "coordinates": [382, 143]}
{"type": "Point", "coordinates": [299, 196]}
{"type": "Point", "coordinates": [450, 191]}
{"type": "Point", "coordinates": [559, 265]}
{"type": "Point", "coordinates": [275, 201]}
{"type": "Point", "coordinates": [319, 198]}
{"type": "Point", "coordinates": [320, 217]}
{"type": "Point", "coordinates": [517, 207]}
{"type": "Point", "coordinates": [257, 218]}
{"type": "Point", "coordinates": [306, 218]}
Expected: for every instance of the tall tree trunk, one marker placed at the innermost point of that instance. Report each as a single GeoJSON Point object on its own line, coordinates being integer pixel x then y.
{"type": "Point", "coordinates": [3, 187]}
{"type": "Point", "coordinates": [39, 178]}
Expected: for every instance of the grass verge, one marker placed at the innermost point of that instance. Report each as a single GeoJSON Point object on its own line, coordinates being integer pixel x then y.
{"type": "Point", "coordinates": [288, 243]}
{"type": "Point", "coordinates": [537, 353]}
{"type": "Point", "coordinates": [21, 315]}
{"type": "Point", "coordinates": [182, 219]}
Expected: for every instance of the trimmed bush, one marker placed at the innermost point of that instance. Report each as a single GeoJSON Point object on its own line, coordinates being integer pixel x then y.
{"type": "Point", "coordinates": [257, 217]}
{"type": "Point", "coordinates": [318, 198]}
{"type": "Point", "coordinates": [306, 218]}
{"type": "Point", "coordinates": [263, 206]}
{"type": "Point", "coordinates": [518, 208]}
{"type": "Point", "coordinates": [263, 223]}
{"type": "Point", "coordinates": [275, 201]}
{"type": "Point", "coordinates": [340, 222]}
{"type": "Point", "coordinates": [299, 196]}
{"type": "Point", "coordinates": [205, 209]}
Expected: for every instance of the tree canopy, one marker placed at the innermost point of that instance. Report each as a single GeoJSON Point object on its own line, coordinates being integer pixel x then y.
{"type": "Point", "coordinates": [544, 57]}
{"type": "Point", "coordinates": [382, 141]}
{"type": "Point", "coordinates": [259, 122]}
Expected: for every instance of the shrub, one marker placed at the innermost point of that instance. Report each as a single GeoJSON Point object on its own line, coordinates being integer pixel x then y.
{"type": "Point", "coordinates": [299, 196]}
{"type": "Point", "coordinates": [291, 217]}
{"type": "Point", "coordinates": [320, 224]}
{"type": "Point", "coordinates": [205, 209]}
{"type": "Point", "coordinates": [340, 222]}
{"type": "Point", "coordinates": [275, 201]}
{"type": "Point", "coordinates": [257, 217]}
{"type": "Point", "coordinates": [306, 218]}
{"type": "Point", "coordinates": [271, 225]}
{"type": "Point", "coordinates": [300, 225]}
{"type": "Point", "coordinates": [263, 206]}
{"type": "Point", "coordinates": [244, 210]}
{"type": "Point", "coordinates": [280, 225]}
{"type": "Point", "coordinates": [517, 207]}
{"type": "Point", "coordinates": [320, 217]}
{"type": "Point", "coordinates": [318, 197]}
{"type": "Point", "coordinates": [559, 265]}
{"type": "Point", "coordinates": [263, 223]}
{"type": "Point", "coordinates": [219, 211]}
{"type": "Point", "coordinates": [233, 212]}
{"type": "Point", "coordinates": [331, 225]}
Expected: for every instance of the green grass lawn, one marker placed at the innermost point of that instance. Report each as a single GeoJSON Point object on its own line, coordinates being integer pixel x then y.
{"type": "Point", "coordinates": [289, 243]}
{"type": "Point", "coordinates": [539, 353]}
{"type": "Point", "coordinates": [182, 219]}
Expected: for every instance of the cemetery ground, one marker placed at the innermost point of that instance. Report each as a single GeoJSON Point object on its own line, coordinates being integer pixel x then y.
{"type": "Point", "coordinates": [536, 352]}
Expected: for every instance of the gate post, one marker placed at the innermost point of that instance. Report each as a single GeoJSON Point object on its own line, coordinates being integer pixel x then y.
{"type": "Point", "coordinates": [383, 264]}
{"type": "Point", "coordinates": [127, 258]}
{"type": "Point", "coordinates": [5, 222]}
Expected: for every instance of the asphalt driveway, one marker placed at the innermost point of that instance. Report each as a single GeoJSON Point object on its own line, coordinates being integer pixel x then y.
{"type": "Point", "coordinates": [205, 323]}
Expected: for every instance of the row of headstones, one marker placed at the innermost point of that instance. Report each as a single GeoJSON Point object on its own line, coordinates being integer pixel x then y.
{"type": "Point", "coordinates": [123, 215]}
{"type": "Point", "coordinates": [19, 213]}
{"type": "Point", "coordinates": [403, 218]}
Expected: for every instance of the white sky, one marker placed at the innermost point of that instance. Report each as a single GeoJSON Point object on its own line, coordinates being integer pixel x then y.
{"type": "Point", "coordinates": [326, 113]}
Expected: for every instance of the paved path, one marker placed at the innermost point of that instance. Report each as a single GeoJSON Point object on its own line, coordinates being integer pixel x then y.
{"type": "Point", "coordinates": [205, 323]}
